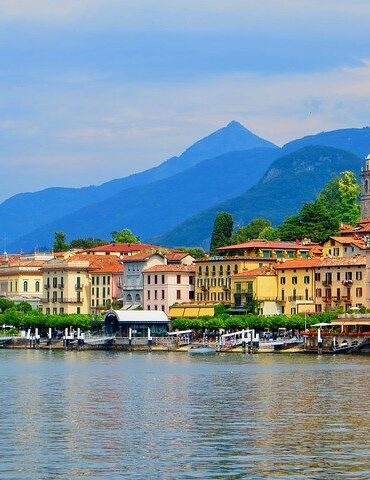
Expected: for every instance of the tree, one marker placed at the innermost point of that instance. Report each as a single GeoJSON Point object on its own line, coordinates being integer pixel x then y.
{"type": "Point", "coordinates": [5, 304]}
{"type": "Point", "coordinates": [314, 221]}
{"type": "Point", "coordinates": [222, 231]}
{"type": "Point", "coordinates": [60, 244]}
{"type": "Point", "coordinates": [340, 196]}
{"type": "Point", "coordinates": [319, 220]}
{"type": "Point", "coordinates": [87, 242]}
{"type": "Point", "coordinates": [250, 231]}
{"type": "Point", "coordinates": [269, 233]}
{"type": "Point", "coordinates": [124, 236]}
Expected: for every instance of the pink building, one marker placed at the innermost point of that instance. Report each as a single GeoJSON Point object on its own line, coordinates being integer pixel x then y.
{"type": "Point", "coordinates": [165, 285]}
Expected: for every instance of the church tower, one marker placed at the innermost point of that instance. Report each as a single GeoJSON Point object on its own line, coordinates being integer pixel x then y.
{"type": "Point", "coordinates": [365, 193]}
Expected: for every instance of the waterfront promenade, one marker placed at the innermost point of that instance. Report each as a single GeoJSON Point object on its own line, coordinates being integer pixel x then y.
{"type": "Point", "coordinates": [110, 415]}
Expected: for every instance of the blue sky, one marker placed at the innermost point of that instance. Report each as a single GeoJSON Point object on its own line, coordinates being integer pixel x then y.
{"type": "Point", "coordinates": [96, 89]}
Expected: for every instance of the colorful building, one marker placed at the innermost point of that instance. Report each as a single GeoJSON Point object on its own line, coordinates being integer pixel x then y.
{"type": "Point", "coordinates": [166, 285]}
{"type": "Point", "coordinates": [268, 249]}
{"type": "Point", "coordinates": [347, 246]}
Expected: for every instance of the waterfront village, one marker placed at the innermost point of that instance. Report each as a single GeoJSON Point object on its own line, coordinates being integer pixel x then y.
{"type": "Point", "coordinates": [139, 289]}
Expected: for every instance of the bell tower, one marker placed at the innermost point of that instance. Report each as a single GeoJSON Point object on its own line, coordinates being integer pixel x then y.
{"type": "Point", "coordinates": [365, 192]}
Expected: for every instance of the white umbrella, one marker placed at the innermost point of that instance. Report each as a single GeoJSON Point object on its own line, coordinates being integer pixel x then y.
{"type": "Point", "coordinates": [321, 325]}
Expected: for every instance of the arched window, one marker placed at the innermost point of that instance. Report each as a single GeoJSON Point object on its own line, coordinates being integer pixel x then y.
{"type": "Point", "coordinates": [37, 286]}
{"type": "Point", "coordinates": [25, 286]}
{"type": "Point", "coordinates": [129, 297]}
{"type": "Point", "coordinates": [137, 298]}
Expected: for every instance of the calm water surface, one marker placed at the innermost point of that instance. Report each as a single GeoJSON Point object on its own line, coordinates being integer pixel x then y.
{"type": "Point", "coordinates": [110, 415]}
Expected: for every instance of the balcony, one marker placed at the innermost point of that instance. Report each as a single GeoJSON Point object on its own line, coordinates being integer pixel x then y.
{"type": "Point", "coordinates": [346, 298]}
{"type": "Point", "coordinates": [70, 300]}
{"type": "Point", "coordinates": [60, 285]}
{"type": "Point", "coordinates": [204, 287]}
{"type": "Point", "coordinates": [78, 286]}
{"type": "Point", "coordinates": [327, 299]}
{"type": "Point", "coordinates": [347, 283]}
{"type": "Point", "coordinates": [47, 286]}
{"type": "Point", "coordinates": [299, 298]}
{"type": "Point", "coordinates": [327, 282]}
{"type": "Point", "coordinates": [45, 300]}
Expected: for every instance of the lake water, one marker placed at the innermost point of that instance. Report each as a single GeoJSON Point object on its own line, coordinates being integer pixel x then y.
{"type": "Point", "coordinates": [113, 415]}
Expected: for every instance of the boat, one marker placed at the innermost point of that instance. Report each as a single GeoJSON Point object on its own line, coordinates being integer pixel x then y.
{"type": "Point", "coordinates": [5, 340]}
{"type": "Point", "coordinates": [99, 341]}
{"type": "Point", "coordinates": [202, 350]}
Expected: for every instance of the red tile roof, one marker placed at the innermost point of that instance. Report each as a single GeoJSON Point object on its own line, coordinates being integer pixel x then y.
{"type": "Point", "coordinates": [171, 268]}
{"type": "Point", "coordinates": [99, 263]}
{"type": "Point", "coordinates": [355, 240]}
{"type": "Point", "coordinates": [321, 262]}
{"type": "Point", "coordinates": [122, 247]}
{"type": "Point", "coordinates": [141, 257]}
{"type": "Point", "coordinates": [176, 256]}
{"type": "Point", "coordinates": [266, 244]}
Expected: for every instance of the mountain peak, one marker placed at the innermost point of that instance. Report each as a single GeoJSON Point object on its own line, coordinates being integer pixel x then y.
{"type": "Point", "coordinates": [236, 125]}
{"type": "Point", "coordinates": [233, 137]}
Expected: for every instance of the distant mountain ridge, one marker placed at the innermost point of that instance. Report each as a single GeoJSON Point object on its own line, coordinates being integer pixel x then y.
{"type": "Point", "coordinates": [159, 206]}
{"type": "Point", "coordinates": [25, 212]}
{"type": "Point", "coordinates": [290, 181]}
{"type": "Point", "coordinates": [355, 140]}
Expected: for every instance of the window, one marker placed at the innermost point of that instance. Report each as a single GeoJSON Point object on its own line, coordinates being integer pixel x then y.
{"type": "Point", "coordinates": [155, 294]}
{"type": "Point", "coordinates": [293, 310]}
{"type": "Point", "coordinates": [78, 310]}
{"type": "Point", "coordinates": [213, 269]}
{"type": "Point", "coordinates": [129, 297]}
{"type": "Point", "coordinates": [178, 279]}
{"type": "Point", "coordinates": [97, 292]}
{"type": "Point", "coordinates": [48, 311]}
{"type": "Point", "coordinates": [97, 280]}
{"type": "Point", "coordinates": [348, 275]}
{"type": "Point", "coordinates": [103, 279]}
{"type": "Point", "coordinates": [37, 286]}
{"type": "Point", "coordinates": [155, 307]}
{"type": "Point", "coordinates": [283, 294]}
{"type": "Point", "coordinates": [294, 280]}
{"type": "Point", "coordinates": [358, 275]}
{"type": "Point", "coordinates": [282, 280]}
{"type": "Point", "coordinates": [61, 310]}
{"type": "Point", "coordinates": [317, 277]}
{"type": "Point", "coordinates": [148, 307]}
{"type": "Point", "coordinates": [103, 292]}
{"type": "Point", "coordinates": [108, 280]}
{"type": "Point", "coordinates": [163, 280]}
{"type": "Point", "coordinates": [318, 308]}
{"type": "Point", "coordinates": [238, 287]}
{"type": "Point", "coordinates": [213, 296]}
{"type": "Point", "coordinates": [163, 294]}
{"type": "Point", "coordinates": [336, 252]}
{"type": "Point", "coordinates": [359, 292]}
{"type": "Point", "coordinates": [55, 282]}
{"type": "Point", "coordinates": [306, 279]}
{"type": "Point", "coordinates": [338, 276]}
{"type": "Point", "coordinates": [221, 270]}
{"type": "Point", "coordinates": [306, 294]}
{"type": "Point", "coordinates": [279, 254]}
{"type": "Point", "coordinates": [93, 303]}
{"type": "Point", "coordinates": [318, 292]}
{"type": "Point", "coordinates": [290, 254]}
{"type": "Point", "coordinates": [199, 297]}
{"type": "Point", "coordinates": [235, 268]}
{"type": "Point", "coordinates": [137, 298]}
{"type": "Point", "coordinates": [25, 286]}
{"type": "Point", "coordinates": [199, 270]}
{"type": "Point", "coordinates": [156, 279]}
{"type": "Point", "coordinates": [148, 295]}
{"type": "Point", "coordinates": [162, 308]}
{"type": "Point", "coordinates": [55, 311]}
{"type": "Point", "coordinates": [191, 280]}
{"type": "Point", "coordinates": [266, 253]}
{"type": "Point", "coordinates": [148, 281]}
{"type": "Point", "coordinates": [178, 294]}
{"type": "Point", "coordinates": [55, 296]}
{"type": "Point", "coordinates": [207, 270]}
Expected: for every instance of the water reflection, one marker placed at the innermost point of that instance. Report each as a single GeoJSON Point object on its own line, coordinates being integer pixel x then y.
{"type": "Point", "coordinates": [115, 415]}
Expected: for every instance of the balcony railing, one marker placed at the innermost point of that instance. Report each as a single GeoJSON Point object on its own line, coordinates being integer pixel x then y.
{"type": "Point", "coordinates": [346, 298]}
{"type": "Point", "coordinates": [70, 300]}
{"type": "Point", "coordinates": [60, 285]}
{"type": "Point", "coordinates": [47, 286]}
{"type": "Point", "coordinates": [347, 283]}
{"type": "Point", "coordinates": [327, 299]}
{"type": "Point", "coordinates": [326, 282]}
{"type": "Point", "coordinates": [78, 286]}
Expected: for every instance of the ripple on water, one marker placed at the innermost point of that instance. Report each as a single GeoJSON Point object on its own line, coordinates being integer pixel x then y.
{"type": "Point", "coordinates": [117, 415]}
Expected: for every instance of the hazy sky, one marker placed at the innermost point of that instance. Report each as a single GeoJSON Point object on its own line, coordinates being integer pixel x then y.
{"type": "Point", "coordinates": [95, 89]}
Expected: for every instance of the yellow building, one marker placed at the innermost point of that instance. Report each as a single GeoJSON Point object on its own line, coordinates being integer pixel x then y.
{"type": "Point", "coordinates": [343, 247]}
{"type": "Point", "coordinates": [341, 282]}
{"type": "Point", "coordinates": [81, 284]}
{"type": "Point", "coordinates": [21, 277]}
{"type": "Point", "coordinates": [213, 276]}
{"type": "Point", "coordinates": [258, 284]}
{"type": "Point", "coordinates": [296, 285]}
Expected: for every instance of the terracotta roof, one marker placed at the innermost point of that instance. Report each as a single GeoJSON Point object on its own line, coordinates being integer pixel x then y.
{"type": "Point", "coordinates": [257, 272]}
{"type": "Point", "coordinates": [173, 256]}
{"type": "Point", "coordinates": [171, 268]}
{"type": "Point", "coordinates": [322, 262]}
{"type": "Point", "coordinates": [141, 257]}
{"type": "Point", "coordinates": [122, 247]}
{"type": "Point", "coordinates": [358, 242]}
{"type": "Point", "coordinates": [263, 244]}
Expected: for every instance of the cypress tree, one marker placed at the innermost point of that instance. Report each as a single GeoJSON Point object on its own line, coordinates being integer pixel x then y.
{"type": "Point", "coordinates": [222, 231]}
